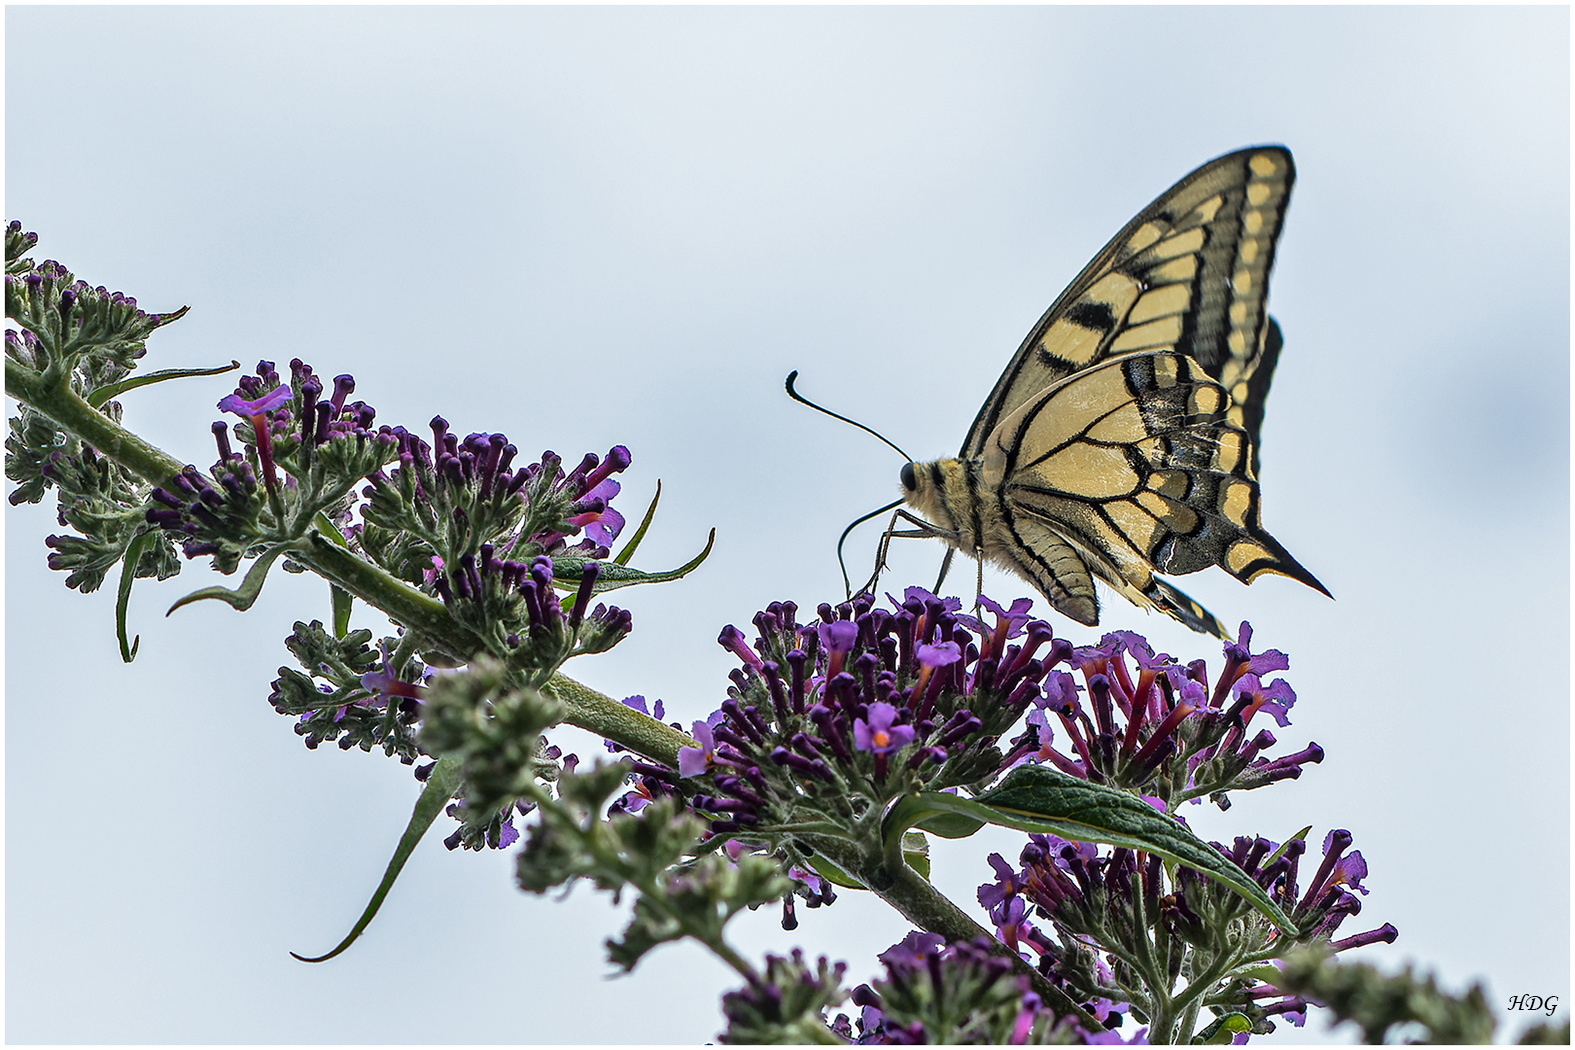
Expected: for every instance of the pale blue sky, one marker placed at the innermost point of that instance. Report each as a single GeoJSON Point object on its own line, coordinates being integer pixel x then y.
{"type": "Point", "coordinates": [589, 226]}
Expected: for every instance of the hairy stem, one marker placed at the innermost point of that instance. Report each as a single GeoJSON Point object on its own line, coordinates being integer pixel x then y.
{"type": "Point", "coordinates": [57, 401]}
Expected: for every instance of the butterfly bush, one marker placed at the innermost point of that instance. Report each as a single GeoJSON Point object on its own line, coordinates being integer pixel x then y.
{"type": "Point", "coordinates": [841, 745]}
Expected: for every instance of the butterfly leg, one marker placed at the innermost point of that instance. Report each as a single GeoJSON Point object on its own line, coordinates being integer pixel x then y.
{"type": "Point", "coordinates": [924, 531]}
{"type": "Point", "coordinates": [946, 566]}
{"type": "Point", "coordinates": [978, 591]}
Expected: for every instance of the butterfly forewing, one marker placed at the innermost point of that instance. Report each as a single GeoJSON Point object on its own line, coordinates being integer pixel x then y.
{"type": "Point", "coordinates": [1189, 273]}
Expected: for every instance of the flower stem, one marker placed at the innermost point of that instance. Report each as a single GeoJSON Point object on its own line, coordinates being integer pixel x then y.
{"type": "Point", "coordinates": [929, 909]}
{"type": "Point", "coordinates": [74, 415]}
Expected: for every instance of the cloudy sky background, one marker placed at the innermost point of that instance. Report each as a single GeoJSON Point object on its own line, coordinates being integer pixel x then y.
{"type": "Point", "coordinates": [593, 226]}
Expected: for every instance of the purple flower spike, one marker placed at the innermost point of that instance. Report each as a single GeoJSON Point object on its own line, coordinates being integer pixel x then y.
{"type": "Point", "coordinates": [254, 411]}
{"type": "Point", "coordinates": [913, 949]}
{"type": "Point", "coordinates": [1274, 699]}
{"type": "Point", "coordinates": [602, 527]}
{"type": "Point", "coordinates": [582, 597]}
{"type": "Point", "coordinates": [617, 459]}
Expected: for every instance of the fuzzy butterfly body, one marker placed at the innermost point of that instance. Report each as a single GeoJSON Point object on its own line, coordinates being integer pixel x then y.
{"type": "Point", "coordinates": [1121, 441]}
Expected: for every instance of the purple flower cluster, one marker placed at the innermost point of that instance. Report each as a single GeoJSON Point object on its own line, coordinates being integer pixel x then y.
{"type": "Point", "coordinates": [1089, 897]}
{"type": "Point", "coordinates": [475, 578]}
{"type": "Point", "coordinates": [269, 407]}
{"type": "Point", "coordinates": [210, 514]}
{"type": "Point", "coordinates": [1162, 725]}
{"type": "Point", "coordinates": [472, 483]}
{"type": "Point", "coordinates": [74, 318]}
{"type": "Point", "coordinates": [857, 706]}
{"type": "Point", "coordinates": [934, 991]}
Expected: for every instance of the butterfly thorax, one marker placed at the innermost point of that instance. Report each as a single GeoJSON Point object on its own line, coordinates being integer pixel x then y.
{"type": "Point", "coordinates": [961, 501]}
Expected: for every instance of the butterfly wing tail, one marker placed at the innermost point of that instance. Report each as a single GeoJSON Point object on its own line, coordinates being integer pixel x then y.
{"type": "Point", "coordinates": [1258, 553]}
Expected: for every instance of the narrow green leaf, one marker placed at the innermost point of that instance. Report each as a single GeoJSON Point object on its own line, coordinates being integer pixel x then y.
{"type": "Point", "coordinates": [566, 571]}
{"type": "Point", "coordinates": [128, 574]}
{"type": "Point", "coordinates": [243, 596]}
{"type": "Point", "coordinates": [916, 851]}
{"type": "Point", "coordinates": [951, 825]}
{"type": "Point", "coordinates": [341, 601]}
{"type": "Point", "coordinates": [103, 394]}
{"type": "Point", "coordinates": [441, 786]}
{"type": "Point", "coordinates": [1045, 800]}
{"type": "Point", "coordinates": [326, 526]}
{"type": "Point", "coordinates": [1266, 973]}
{"type": "Point", "coordinates": [1277, 854]}
{"type": "Point", "coordinates": [833, 874]}
{"type": "Point", "coordinates": [623, 556]}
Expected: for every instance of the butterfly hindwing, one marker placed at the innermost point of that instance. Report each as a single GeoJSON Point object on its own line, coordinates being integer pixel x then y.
{"type": "Point", "coordinates": [1189, 273]}
{"type": "Point", "coordinates": [1135, 465]}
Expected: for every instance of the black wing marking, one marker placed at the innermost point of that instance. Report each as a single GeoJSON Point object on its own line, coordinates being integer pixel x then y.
{"type": "Point", "coordinates": [1189, 274]}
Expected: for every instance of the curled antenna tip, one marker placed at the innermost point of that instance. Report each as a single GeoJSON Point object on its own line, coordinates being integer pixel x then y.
{"type": "Point", "coordinates": [801, 399]}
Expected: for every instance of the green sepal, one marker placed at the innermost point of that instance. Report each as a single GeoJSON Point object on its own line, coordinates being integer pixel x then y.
{"type": "Point", "coordinates": [1221, 1030]}
{"type": "Point", "coordinates": [128, 574]}
{"type": "Point", "coordinates": [623, 556]}
{"type": "Point", "coordinates": [243, 596]}
{"type": "Point", "coordinates": [98, 397]}
{"type": "Point", "coordinates": [1045, 800]}
{"type": "Point", "coordinates": [441, 785]}
{"type": "Point", "coordinates": [566, 571]}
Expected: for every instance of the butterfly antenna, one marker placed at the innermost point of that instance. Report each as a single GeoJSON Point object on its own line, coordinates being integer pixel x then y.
{"type": "Point", "coordinates": [801, 399]}
{"type": "Point", "coordinates": [847, 585]}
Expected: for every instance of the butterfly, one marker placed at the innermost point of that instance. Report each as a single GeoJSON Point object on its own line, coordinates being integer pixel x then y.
{"type": "Point", "coordinates": [1122, 440]}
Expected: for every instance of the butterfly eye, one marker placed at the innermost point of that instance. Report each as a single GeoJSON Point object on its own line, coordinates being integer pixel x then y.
{"type": "Point", "coordinates": [909, 482]}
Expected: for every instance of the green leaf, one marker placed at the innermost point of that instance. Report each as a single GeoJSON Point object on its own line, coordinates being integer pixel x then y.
{"type": "Point", "coordinates": [1045, 800]}
{"type": "Point", "coordinates": [566, 571]}
{"type": "Point", "coordinates": [329, 530]}
{"type": "Point", "coordinates": [1264, 972]}
{"type": "Point", "coordinates": [1277, 854]}
{"type": "Point", "coordinates": [243, 596]}
{"type": "Point", "coordinates": [341, 600]}
{"type": "Point", "coordinates": [833, 874]}
{"type": "Point", "coordinates": [441, 786]}
{"type": "Point", "coordinates": [103, 394]}
{"type": "Point", "coordinates": [1220, 1031]}
{"type": "Point", "coordinates": [128, 574]}
{"type": "Point", "coordinates": [623, 556]}
{"type": "Point", "coordinates": [916, 851]}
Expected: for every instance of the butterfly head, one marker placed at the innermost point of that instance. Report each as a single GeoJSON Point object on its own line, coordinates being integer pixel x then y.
{"type": "Point", "coordinates": [938, 491]}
